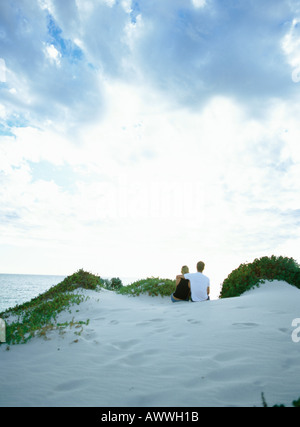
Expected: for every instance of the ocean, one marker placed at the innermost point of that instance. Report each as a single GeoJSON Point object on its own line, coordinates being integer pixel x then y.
{"type": "Point", "coordinates": [15, 289]}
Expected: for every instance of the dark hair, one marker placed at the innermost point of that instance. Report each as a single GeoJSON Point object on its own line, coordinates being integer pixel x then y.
{"type": "Point", "coordinates": [200, 266]}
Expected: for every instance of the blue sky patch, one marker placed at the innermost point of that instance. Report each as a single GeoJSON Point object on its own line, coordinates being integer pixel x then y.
{"type": "Point", "coordinates": [63, 176]}
{"type": "Point", "coordinates": [66, 47]}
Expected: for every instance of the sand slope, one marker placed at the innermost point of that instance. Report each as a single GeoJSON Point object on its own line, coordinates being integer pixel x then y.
{"type": "Point", "coordinates": [147, 351]}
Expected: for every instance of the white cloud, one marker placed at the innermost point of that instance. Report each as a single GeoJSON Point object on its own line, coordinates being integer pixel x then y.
{"type": "Point", "coordinates": [291, 48]}
{"type": "Point", "coordinates": [175, 123]}
{"type": "Point", "coordinates": [182, 52]}
{"type": "Point", "coordinates": [199, 3]}
{"type": "Point", "coordinates": [53, 54]}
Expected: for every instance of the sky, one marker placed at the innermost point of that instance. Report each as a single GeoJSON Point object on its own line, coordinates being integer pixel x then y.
{"type": "Point", "coordinates": [138, 136]}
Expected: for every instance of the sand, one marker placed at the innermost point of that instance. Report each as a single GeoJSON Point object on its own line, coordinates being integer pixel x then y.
{"type": "Point", "coordinates": [149, 352]}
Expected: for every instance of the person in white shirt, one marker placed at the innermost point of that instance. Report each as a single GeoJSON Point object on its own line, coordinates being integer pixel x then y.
{"type": "Point", "coordinates": [199, 283]}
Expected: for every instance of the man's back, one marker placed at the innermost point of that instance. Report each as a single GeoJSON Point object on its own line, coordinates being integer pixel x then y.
{"type": "Point", "coordinates": [199, 284]}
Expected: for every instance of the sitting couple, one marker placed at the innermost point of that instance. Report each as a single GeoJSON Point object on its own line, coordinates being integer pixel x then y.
{"type": "Point", "coordinates": [194, 285]}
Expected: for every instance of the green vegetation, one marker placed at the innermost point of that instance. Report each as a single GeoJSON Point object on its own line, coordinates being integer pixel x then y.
{"type": "Point", "coordinates": [113, 284]}
{"type": "Point", "coordinates": [247, 276]}
{"type": "Point", "coordinates": [296, 403]}
{"type": "Point", "coordinates": [39, 315]}
{"type": "Point", "coordinates": [153, 286]}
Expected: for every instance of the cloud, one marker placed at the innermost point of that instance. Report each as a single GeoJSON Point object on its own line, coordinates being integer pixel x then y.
{"type": "Point", "coordinates": [217, 174]}
{"type": "Point", "coordinates": [190, 51]}
{"type": "Point", "coordinates": [100, 27]}
{"type": "Point", "coordinates": [199, 3]}
{"type": "Point", "coordinates": [148, 134]}
{"type": "Point", "coordinates": [222, 48]}
{"type": "Point", "coordinates": [42, 65]}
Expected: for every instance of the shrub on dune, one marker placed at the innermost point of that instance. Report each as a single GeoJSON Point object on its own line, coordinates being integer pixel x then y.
{"type": "Point", "coordinates": [247, 276]}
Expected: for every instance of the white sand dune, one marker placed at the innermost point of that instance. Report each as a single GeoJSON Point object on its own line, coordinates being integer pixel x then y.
{"type": "Point", "coordinates": [144, 351]}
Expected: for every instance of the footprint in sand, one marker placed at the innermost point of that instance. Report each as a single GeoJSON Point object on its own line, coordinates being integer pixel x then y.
{"type": "Point", "coordinates": [229, 356]}
{"type": "Point", "coordinates": [143, 324]}
{"type": "Point", "coordinates": [138, 358]}
{"type": "Point", "coordinates": [245, 325]}
{"type": "Point", "coordinates": [149, 322]}
{"type": "Point", "coordinates": [194, 321]}
{"type": "Point", "coordinates": [90, 336]}
{"type": "Point", "coordinates": [125, 345]}
{"type": "Point", "coordinates": [70, 385]}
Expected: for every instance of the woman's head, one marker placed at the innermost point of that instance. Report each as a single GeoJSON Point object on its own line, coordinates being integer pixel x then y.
{"type": "Point", "coordinates": [185, 270]}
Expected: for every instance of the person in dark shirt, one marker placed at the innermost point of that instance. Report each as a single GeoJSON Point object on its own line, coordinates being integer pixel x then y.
{"type": "Point", "coordinates": [182, 292]}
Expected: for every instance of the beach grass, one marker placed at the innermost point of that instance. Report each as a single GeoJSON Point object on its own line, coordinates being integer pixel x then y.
{"type": "Point", "coordinates": [39, 314]}
{"type": "Point", "coordinates": [152, 286]}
